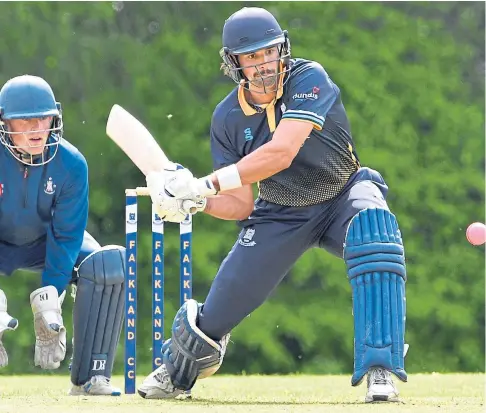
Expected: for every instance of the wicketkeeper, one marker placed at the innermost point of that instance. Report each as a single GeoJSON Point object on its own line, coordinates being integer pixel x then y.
{"type": "Point", "coordinates": [43, 216]}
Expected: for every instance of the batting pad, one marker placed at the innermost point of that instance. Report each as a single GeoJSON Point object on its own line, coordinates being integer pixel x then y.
{"type": "Point", "coordinates": [375, 261]}
{"type": "Point", "coordinates": [98, 313]}
{"type": "Point", "coordinates": [190, 354]}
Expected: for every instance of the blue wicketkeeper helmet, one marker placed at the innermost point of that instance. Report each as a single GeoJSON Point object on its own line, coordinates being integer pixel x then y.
{"type": "Point", "coordinates": [27, 97]}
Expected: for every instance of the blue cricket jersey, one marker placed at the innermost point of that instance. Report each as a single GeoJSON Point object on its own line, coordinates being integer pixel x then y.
{"type": "Point", "coordinates": [48, 202]}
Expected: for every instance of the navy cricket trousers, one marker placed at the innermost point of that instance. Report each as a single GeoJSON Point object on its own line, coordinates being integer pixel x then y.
{"type": "Point", "coordinates": [273, 239]}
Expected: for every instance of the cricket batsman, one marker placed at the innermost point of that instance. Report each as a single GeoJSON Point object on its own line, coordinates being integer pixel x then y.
{"type": "Point", "coordinates": [284, 127]}
{"type": "Point", "coordinates": [43, 216]}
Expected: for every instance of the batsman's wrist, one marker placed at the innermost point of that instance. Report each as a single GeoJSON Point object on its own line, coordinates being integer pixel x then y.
{"type": "Point", "coordinates": [205, 186]}
{"type": "Point", "coordinates": [228, 178]}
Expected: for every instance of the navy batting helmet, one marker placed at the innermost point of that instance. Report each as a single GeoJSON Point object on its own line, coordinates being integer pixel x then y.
{"type": "Point", "coordinates": [248, 30]}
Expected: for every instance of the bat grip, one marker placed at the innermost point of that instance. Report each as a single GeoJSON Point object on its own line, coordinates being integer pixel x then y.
{"type": "Point", "coordinates": [188, 205]}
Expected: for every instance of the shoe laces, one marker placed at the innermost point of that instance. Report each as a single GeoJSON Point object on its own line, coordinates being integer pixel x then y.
{"type": "Point", "coordinates": [100, 379]}
{"type": "Point", "coordinates": [162, 376]}
{"type": "Point", "coordinates": [380, 376]}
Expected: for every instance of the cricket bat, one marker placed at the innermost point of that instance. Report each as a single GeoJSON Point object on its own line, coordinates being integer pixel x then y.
{"type": "Point", "coordinates": [139, 145]}
{"type": "Point", "coordinates": [135, 140]}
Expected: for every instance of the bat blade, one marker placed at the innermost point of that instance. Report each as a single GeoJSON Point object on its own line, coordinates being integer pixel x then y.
{"type": "Point", "coordinates": [135, 140]}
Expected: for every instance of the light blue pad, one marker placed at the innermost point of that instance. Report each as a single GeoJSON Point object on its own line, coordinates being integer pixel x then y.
{"type": "Point", "coordinates": [375, 260]}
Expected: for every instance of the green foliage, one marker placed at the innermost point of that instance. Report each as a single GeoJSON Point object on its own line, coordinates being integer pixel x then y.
{"type": "Point", "coordinates": [413, 86]}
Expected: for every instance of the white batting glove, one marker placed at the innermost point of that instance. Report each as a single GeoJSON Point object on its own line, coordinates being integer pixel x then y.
{"type": "Point", "coordinates": [191, 192]}
{"type": "Point", "coordinates": [176, 210]}
{"type": "Point", "coordinates": [50, 333]}
{"type": "Point", "coordinates": [156, 182]}
{"type": "Point", "coordinates": [198, 206]}
{"type": "Point", "coordinates": [7, 322]}
{"type": "Point", "coordinates": [176, 184]}
{"type": "Point", "coordinates": [180, 185]}
{"type": "Point", "coordinates": [175, 217]}
{"type": "Point", "coordinates": [168, 210]}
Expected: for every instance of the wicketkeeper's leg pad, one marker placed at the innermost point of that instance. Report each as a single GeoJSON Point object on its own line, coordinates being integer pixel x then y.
{"type": "Point", "coordinates": [375, 261]}
{"type": "Point", "coordinates": [98, 313]}
{"type": "Point", "coordinates": [190, 354]}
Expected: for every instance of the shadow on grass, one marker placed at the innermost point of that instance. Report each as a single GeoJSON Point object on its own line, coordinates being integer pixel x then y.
{"type": "Point", "coordinates": [218, 402]}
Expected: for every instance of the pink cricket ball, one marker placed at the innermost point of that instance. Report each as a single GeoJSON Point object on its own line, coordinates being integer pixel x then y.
{"type": "Point", "coordinates": [476, 233]}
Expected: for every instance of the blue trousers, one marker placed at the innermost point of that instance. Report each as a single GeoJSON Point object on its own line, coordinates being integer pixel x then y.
{"type": "Point", "coordinates": [270, 243]}
{"type": "Point", "coordinates": [32, 256]}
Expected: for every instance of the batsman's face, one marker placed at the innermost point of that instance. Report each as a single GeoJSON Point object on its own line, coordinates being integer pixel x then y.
{"type": "Point", "coordinates": [29, 135]}
{"type": "Point", "coordinates": [261, 68]}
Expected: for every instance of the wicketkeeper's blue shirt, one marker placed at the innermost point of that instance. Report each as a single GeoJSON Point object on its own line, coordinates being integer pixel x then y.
{"type": "Point", "coordinates": [44, 204]}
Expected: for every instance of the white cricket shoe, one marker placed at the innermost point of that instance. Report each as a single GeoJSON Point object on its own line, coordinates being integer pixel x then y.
{"type": "Point", "coordinates": [158, 385]}
{"type": "Point", "coordinates": [380, 386]}
{"type": "Point", "coordinates": [96, 386]}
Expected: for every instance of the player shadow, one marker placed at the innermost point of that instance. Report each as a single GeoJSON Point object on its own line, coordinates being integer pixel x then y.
{"type": "Point", "coordinates": [219, 402]}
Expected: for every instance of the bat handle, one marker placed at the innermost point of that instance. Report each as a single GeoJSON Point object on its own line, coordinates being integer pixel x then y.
{"type": "Point", "coordinates": [188, 205]}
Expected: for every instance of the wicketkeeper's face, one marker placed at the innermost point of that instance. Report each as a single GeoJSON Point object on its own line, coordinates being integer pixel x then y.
{"type": "Point", "coordinates": [29, 135]}
{"type": "Point", "coordinates": [261, 68]}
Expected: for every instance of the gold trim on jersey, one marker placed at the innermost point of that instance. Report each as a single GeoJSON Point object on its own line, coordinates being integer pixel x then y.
{"type": "Point", "coordinates": [248, 110]}
{"type": "Point", "coordinates": [316, 126]}
{"type": "Point", "coordinates": [270, 109]}
{"type": "Point", "coordinates": [350, 148]}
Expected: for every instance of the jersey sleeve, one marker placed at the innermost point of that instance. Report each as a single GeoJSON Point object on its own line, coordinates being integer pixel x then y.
{"type": "Point", "coordinates": [222, 151]}
{"type": "Point", "coordinates": [311, 95]}
{"type": "Point", "coordinates": [66, 232]}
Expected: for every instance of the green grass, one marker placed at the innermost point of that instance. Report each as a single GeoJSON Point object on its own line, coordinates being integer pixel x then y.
{"type": "Point", "coordinates": [424, 393]}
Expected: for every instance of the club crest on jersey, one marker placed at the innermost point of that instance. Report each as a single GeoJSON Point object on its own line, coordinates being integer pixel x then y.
{"type": "Point", "coordinates": [49, 187]}
{"type": "Point", "coordinates": [246, 240]}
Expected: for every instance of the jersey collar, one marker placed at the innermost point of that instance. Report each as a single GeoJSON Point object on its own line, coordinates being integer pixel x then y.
{"type": "Point", "coordinates": [249, 110]}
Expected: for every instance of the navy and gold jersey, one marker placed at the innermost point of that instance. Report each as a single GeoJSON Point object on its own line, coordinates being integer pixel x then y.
{"type": "Point", "coordinates": [326, 160]}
